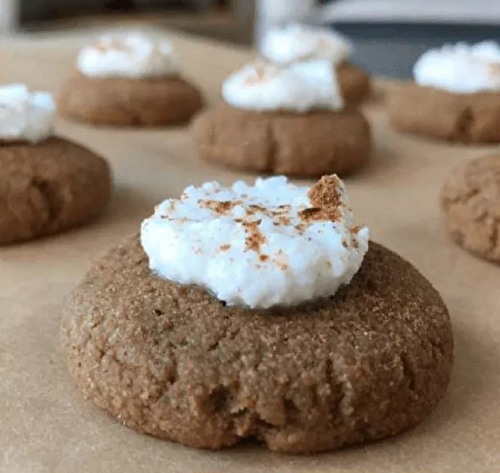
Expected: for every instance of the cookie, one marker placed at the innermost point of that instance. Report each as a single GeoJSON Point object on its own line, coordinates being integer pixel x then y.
{"type": "Point", "coordinates": [149, 102]}
{"type": "Point", "coordinates": [354, 82]}
{"type": "Point", "coordinates": [49, 187]}
{"type": "Point", "coordinates": [309, 144]}
{"type": "Point", "coordinates": [176, 363]}
{"type": "Point", "coordinates": [471, 202]}
{"type": "Point", "coordinates": [463, 118]}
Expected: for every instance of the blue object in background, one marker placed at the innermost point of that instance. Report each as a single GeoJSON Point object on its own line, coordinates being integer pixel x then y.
{"type": "Point", "coordinates": [391, 49]}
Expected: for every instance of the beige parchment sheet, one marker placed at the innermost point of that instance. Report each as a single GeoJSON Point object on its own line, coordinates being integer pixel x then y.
{"type": "Point", "coordinates": [47, 426]}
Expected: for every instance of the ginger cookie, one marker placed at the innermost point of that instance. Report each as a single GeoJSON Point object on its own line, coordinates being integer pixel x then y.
{"type": "Point", "coordinates": [300, 43]}
{"type": "Point", "coordinates": [49, 184]}
{"type": "Point", "coordinates": [284, 121]}
{"type": "Point", "coordinates": [130, 80]}
{"type": "Point", "coordinates": [456, 96]}
{"type": "Point", "coordinates": [243, 336]}
{"type": "Point", "coordinates": [284, 143]}
{"type": "Point", "coordinates": [354, 82]}
{"type": "Point", "coordinates": [471, 202]}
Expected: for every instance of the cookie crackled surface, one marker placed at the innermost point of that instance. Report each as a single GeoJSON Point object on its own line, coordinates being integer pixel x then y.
{"type": "Point", "coordinates": [176, 361]}
{"type": "Point", "coordinates": [470, 199]}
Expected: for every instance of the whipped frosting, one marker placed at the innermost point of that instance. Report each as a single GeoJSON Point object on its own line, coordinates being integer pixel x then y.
{"type": "Point", "coordinates": [132, 55]}
{"type": "Point", "coordinates": [271, 244]}
{"type": "Point", "coordinates": [298, 87]}
{"type": "Point", "coordinates": [460, 68]}
{"type": "Point", "coordinates": [299, 43]}
{"type": "Point", "coordinates": [24, 115]}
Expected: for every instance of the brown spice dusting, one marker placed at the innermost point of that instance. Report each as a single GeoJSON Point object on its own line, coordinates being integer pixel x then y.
{"type": "Point", "coordinates": [324, 192]}
{"type": "Point", "coordinates": [283, 220]}
{"type": "Point", "coordinates": [325, 200]}
{"type": "Point", "coordinates": [272, 213]}
{"type": "Point", "coordinates": [316, 214]}
{"type": "Point", "coordinates": [282, 266]}
{"type": "Point", "coordinates": [257, 208]}
{"type": "Point", "coordinates": [254, 239]}
{"type": "Point", "coordinates": [113, 44]}
{"type": "Point", "coordinates": [225, 247]}
{"type": "Point", "coordinates": [221, 207]}
{"type": "Point", "coordinates": [301, 227]}
{"type": "Point", "coordinates": [261, 70]}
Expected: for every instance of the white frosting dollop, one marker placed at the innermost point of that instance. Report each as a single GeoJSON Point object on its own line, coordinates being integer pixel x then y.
{"type": "Point", "coordinates": [460, 68]}
{"type": "Point", "coordinates": [299, 87]}
{"type": "Point", "coordinates": [132, 55]}
{"type": "Point", "coordinates": [299, 43]}
{"type": "Point", "coordinates": [256, 246]}
{"type": "Point", "coordinates": [24, 115]}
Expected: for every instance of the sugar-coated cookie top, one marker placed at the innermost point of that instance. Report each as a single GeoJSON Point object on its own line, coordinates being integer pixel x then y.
{"type": "Point", "coordinates": [299, 87]}
{"type": "Point", "coordinates": [270, 244]}
{"type": "Point", "coordinates": [25, 115]}
{"type": "Point", "coordinates": [297, 42]}
{"type": "Point", "coordinates": [460, 68]}
{"type": "Point", "coordinates": [131, 55]}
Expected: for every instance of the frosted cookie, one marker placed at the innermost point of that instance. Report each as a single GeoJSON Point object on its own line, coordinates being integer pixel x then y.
{"type": "Point", "coordinates": [297, 43]}
{"type": "Point", "coordinates": [129, 80]}
{"type": "Point", "coordinates": [284, 120]}
{"type": "Point", "coordinates": [49, 184]}
{"type": "Point", "coordinates": [471, 202]}
{"type": "Point", "coordinates": [455, 96]}
{"type": "Point", "coordinates": [259, 311]}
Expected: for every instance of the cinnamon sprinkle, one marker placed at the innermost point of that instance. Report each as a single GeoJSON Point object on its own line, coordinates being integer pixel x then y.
{"type": "Point", "coordinates": [324, 193]}
{"type": "Point", "coordinates": [317, 214]}
{"type": "Point", "coordinates": [254, 239]}
{"type": "Point", "coordinates": [113, 44]}
{"type": "Point", "coordinates": [220, 207]}
{"type": "Point", "coordinates": [325, 199]}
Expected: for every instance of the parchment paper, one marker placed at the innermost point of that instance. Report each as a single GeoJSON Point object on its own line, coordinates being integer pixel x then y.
{"type": "Point", "coordinates": [47, 426]}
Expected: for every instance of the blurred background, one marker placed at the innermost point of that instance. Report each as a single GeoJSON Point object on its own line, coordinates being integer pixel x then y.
{"type": "Point", "coordinates": [389, 35]}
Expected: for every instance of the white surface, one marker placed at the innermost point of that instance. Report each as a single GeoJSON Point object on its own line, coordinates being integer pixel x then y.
{"type": "Point", "coordinates": [300, 87]}
{"type": "Point", "coordinates": [192, 241]}
{"type": "Point", "coordinates": [25, 115]}
{"type": "Point", "coordinates": [432, 11]}
{"type": "Point", "coordinates": [132, 55]}
{"type": "Point", "coordinates": [295, 42]}
{"type": "Point", "coordinates": [8, 15]}
{"type": "Point", "coordinates": [281, 11]}
{"type": "Point", "coordinates": [460, 68]}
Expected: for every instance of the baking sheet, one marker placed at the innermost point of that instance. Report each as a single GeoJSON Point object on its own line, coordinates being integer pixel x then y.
{"type": "Point", "coordinates": [47, 426]}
